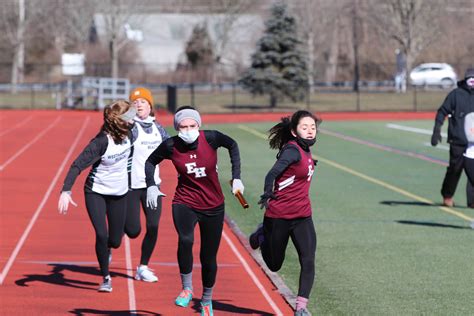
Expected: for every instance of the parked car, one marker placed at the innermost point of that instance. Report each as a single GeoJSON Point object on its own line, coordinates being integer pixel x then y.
{"type": "Point", "coordinates": [433, 74]}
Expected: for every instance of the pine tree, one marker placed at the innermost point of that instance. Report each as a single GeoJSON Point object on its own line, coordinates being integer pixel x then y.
{"type": "Point", "coordinates": [278, 65]}
{"type": "Point", "coordinates": [199, 47]}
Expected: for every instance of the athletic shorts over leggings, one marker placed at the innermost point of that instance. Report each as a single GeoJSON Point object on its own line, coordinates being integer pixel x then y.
{"type": "Point", "coordinates": [210, 227]}
{"type": "Point", "coordinates": [107, 214]}
{"type": "Point", "coordinates": [277, 233]}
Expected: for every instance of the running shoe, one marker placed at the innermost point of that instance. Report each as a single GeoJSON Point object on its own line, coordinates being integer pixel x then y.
{"type": "Point", "coordinates": [145, 274]}
{"type": "Point", "coordinates": [256, 237]}
{"type": "Point", "coordinates": [106, 286]}
{"type": "Point", "coordinates": [184, 298]}
{"type": "Point", "coordinates": [206, 309]}
{"type": "Point", "coordinates": [302, 312]}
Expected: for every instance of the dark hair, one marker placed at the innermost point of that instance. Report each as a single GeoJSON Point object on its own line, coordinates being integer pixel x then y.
{"type": "Point", "coordinates": [280, 134]}
{"type": "Point", "coordinates": [113, 124]}
{"type": "Point", "coordinates": [184, 107]}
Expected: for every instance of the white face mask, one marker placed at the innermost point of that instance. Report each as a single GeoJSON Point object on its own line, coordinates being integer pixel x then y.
{"type": "Point", "coordinates": [190, 136]}
{"type": "Point", "coordinates": [470, 82]}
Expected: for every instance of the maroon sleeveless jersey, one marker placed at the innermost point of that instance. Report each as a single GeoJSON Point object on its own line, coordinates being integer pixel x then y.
{"type": "Point", "coordinates": [198, 182]}
{"type": "Point", "coordinates": [292, 189]}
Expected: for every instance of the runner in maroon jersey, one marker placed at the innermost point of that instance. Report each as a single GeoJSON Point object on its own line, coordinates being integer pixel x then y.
{"type": "Point", "coordinates": [287, 202]}
{"type": "Point", "coordinates": [198, 197]}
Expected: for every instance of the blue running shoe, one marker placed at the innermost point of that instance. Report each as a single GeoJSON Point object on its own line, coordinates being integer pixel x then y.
{"type": "Point", "coordinates": [302, 312]}
{"type": "Point", "coordinates": [206, 309]}
{"type": "Point", "coordinates": [184, 298]}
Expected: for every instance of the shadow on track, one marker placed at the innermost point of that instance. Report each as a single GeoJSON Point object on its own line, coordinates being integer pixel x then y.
{"type": "Point", "coordinates": [56, 276]}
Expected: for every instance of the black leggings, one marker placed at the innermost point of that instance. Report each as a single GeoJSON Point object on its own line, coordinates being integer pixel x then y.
{"type": "Point", "coordinates": [210, 227]}
{"type": "Point", "coordinates": [107, 214]}
{"type": "Point", "coordinates": [303, 235]}
{"type": "Point", "coordinates": [132, 222]}
{"type": "Point", "coordinates": [453, 173]}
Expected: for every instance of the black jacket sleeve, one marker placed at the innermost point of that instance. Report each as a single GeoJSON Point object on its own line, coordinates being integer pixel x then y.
{"type": "Point", "coordinates": [164, 151]}
{"type": "Point", "coordinates": [91, 154]}
{"type": "Point", "coordinates": [288, 155]}
{"type": "Point", "coordinates": [448, 107]}
{"type": "Point", "coordinates": [216, 139]}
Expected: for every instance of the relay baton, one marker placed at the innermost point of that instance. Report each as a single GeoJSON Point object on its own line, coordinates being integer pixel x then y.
{"type": "Point", "coordinates": [240, 197]}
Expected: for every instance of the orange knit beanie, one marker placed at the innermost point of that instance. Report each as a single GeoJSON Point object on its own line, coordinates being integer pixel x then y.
{"type": "Point", "coordinates": [143, 93]}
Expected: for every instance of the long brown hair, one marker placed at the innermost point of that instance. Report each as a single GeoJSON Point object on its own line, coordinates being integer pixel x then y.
{"type": "Point", "coordinates": [280, 134]}
{"type": "Point", "coordinates": [113, 125]}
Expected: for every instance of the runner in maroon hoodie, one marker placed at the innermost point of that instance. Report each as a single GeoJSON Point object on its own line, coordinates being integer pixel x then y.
{"type": "Point", "coordinates": [198, 197]}
{"type": "Point", "coordinates": [287, 202]}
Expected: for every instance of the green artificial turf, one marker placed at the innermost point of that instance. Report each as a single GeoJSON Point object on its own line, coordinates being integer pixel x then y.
{"type": "Point", "coordinates": [385, 246]}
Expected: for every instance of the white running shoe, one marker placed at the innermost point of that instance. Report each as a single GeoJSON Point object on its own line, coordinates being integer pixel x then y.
{"type": "Point", "coordinates": [145, 274]}
{"type": "Point", "coordinates": [106, 286]}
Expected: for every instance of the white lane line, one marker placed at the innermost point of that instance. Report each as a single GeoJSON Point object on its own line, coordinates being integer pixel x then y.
{"type": "Point", "coordinates": [22, 240]}
{"type": "Point", "coordinates": [11, 129]}
{"type": "Point", "coordinates": [413, 129]}
{"type": "Point", "coordinates": [131, 289]}
{"type": "Point", "coordinates": [18, 153]}
{"type": "Point", "coordinates": [252, 275]}
{"type": "Point", "coordinates": [444, 147]}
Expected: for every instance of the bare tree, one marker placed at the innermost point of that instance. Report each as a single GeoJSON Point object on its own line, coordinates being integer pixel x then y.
{"type": "Point", "coordinates": [116, 15]}
{"type": "Point", "coordinates": [306, 10]}
{"type": "Point", "coordinates": [14, 22]}
{"type": "Point", "coordinates": [67, 21]}
{"type": "Point", "coordinates": [225, 18]}
{"type": "Point", "coordinates": [319, 22]}
{"type": "Point", "coordinates": [412, 24]}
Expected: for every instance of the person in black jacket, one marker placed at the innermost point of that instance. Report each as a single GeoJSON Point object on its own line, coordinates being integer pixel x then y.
{"type": "Point", "coordinates": [456, 106]}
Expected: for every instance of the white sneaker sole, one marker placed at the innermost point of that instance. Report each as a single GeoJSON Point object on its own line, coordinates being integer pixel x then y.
{"type": "Point", "coordinates": [138, 278]}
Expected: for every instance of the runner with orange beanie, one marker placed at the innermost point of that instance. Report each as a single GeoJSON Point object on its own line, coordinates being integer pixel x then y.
{"type": "Point", "coordinates": [147, 134]}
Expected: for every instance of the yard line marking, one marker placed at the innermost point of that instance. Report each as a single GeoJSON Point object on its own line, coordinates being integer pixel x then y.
{"type": "Point", "coordinates": [252, 275]}
{"type": "Point", "coordinates": [131, 289]}
{"type": "Point", "coordinates": [413, 129]}
{"type": "Point", "coordinates": [373, 180]}
{"type": "Point", "coordinates": [43, 202]}
{"type": "Point", "coordinates": [392, 187]}
{"type": "Point", "coordinates": [385, 148]}
{"type": "Point", "coordinates": [17, 125]}
{"type": "Point", "coordinates": [18, 153]}
{"type": "Point", "coordinates": [419, 131]}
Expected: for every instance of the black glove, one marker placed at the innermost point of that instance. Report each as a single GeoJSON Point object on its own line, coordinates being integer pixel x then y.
{"type": "Point", "coordinates": [436, 137]}
{"type": "Point", "coordinates": [265, 198]}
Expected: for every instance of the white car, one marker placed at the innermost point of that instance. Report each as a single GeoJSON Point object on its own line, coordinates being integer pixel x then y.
{"type": "Point", "coordinates": [433, 74]}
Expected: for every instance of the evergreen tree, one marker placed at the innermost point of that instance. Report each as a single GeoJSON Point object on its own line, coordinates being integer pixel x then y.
{"type": "Point", "coordinates": [199, 47]}
{"type": "Point", "coordinates": [278, 66]}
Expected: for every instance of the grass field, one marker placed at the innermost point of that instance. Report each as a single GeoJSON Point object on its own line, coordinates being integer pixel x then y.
{"type": "Point", "coordinates": [385, 245]}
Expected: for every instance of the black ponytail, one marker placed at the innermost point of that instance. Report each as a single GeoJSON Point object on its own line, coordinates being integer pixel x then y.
{"type": "Point", "coordinates": [280, 134]}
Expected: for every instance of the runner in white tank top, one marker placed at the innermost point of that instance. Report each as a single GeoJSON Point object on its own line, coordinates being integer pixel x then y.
{"type": "Point", "coordinates": [147, 134]}
{"type": "Point", "coordinates": [107, 183]}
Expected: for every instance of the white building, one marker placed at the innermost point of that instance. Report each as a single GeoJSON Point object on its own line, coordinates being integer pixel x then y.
{"type": "Point", "coordinates": [164, 37]}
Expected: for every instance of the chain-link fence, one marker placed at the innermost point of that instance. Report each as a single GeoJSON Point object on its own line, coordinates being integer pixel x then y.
{"type": "Point", "coordinates": [231, 98]}
{"type": "Point", "coordinates": [215, 89]}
